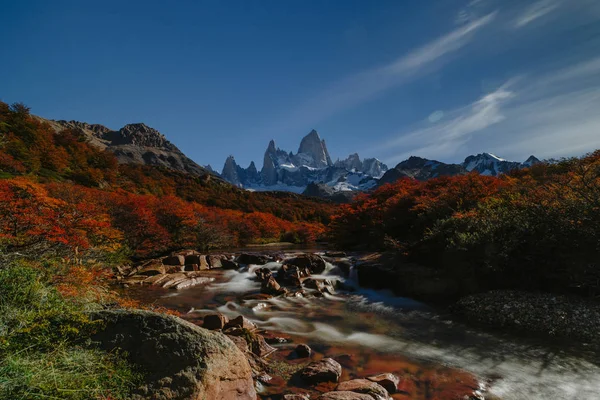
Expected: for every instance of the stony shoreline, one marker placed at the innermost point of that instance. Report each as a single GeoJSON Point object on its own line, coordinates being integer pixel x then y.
{"type": "Point", "coordinates": [540, 314]}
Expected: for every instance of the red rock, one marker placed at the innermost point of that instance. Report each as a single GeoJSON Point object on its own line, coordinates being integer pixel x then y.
{"type": "Point", "coordinates": [365, 386]}
{"type": "Point", "coordinates": [215, 322]}
{"type": "Point", "coordinates": [241, 322]}
{"type": "Point", "coordinates": [325, 370]}
{"type": "Point", "coordinates": [303, 351]}
{"type": "Point", "coordinates": [388, 381]}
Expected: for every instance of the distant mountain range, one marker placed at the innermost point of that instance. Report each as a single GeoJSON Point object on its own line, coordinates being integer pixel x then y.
{"type": "Point", "coordinates": [309, 171]}
{"type": "Point", "coordinates": [287, 171]}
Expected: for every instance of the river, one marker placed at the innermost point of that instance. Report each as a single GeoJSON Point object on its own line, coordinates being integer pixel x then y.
{"type": "Point", "coordinates": [378, 332]}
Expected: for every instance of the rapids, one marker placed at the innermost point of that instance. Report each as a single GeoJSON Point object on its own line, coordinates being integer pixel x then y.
{"type": "Point", "coordinates": [378, 322]}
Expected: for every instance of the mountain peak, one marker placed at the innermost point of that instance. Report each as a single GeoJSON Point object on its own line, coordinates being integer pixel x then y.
{"type": "Point", "coordinates": [313, 146]}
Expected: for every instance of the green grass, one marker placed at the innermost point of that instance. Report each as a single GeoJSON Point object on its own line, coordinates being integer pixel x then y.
{"type": "Point", "coordinates": [67, 372]}
{"type": "Point", "coordinates": [45, 346]}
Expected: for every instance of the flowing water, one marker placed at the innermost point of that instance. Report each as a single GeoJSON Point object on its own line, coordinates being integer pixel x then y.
{"type": "Point", "coordinates": [378, 332]}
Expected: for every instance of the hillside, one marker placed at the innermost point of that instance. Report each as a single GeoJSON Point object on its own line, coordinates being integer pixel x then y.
{"type": "Point", "coordinates": [156, 208]}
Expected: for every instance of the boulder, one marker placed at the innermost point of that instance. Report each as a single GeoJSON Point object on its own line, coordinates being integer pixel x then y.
{"type": "Point", "coordinates": [204, 263]}
{"type": "Point", "coordinates": [313, 262]}
{"type": "Point", "coordinates": [215, 261]}
{"type": "Point", "coordinates": [388, 381]}
{"type": "Point", "coordinates": [365, 386]}
{"type": "Point", "coordinates": [174, 260]}
{"type": "Point", "coordinates": [303, 351]}
{"type": "Point", "coordinates": [321, 285]}
{"type": "Point", "coordinates": [325, 370]}
{"type": "Point", "coordinates": [215, 322]}
{"type": "Point", "coordinates": [344, 265]}
{"type": "Point", "coordinates": [241, 322]}
{"type": "Point", "coordinates": [292, 275]}
{"type": "Point", "coordinates": [344, 396]}
{"type": "Point", "coordinates": [182, 361]}
{"type": "Point", "coordinates": [191, 267]}
{"type": "Point", "coordinates": [263, 274]}
{"type": "Point", "coordinates": [192, 259]}
{"type": "Point", "coordinates": [259, 346]}
{"type": "Point", "coordinates": [256, 259]}
{"type": "Point", "coordinates": [152, 269]}
{"type": "Point", "coordinates": [270, 286]}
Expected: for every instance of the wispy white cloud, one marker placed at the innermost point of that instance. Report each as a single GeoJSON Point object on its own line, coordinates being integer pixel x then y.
{"type": "Point", "coordinates": [551, 115]}
{"type": "Point", "coordinates": [353, 90]}
{"type": "Point", "coordinates": [535, 11]}
{"type": "Point", "coordinates": [446, 136]}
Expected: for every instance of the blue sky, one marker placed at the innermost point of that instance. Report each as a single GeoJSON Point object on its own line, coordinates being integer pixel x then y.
{"type": "Point", "coordinates": [387, 79]}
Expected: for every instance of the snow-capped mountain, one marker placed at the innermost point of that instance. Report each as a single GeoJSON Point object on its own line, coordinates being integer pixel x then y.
{"type": "Point", "coordinates": [312, 163]}
{"type": "Point", "coordinates": [423, 169]}
{"type": "Point", "coordinates": [489, 164]}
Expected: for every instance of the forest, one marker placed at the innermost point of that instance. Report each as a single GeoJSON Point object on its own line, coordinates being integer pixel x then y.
{"type": "Point", "coordinates": [534, 229]}
{"type": "Point", "coordinates": [62, 196]}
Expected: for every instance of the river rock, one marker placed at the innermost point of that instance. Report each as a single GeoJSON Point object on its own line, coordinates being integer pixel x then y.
{"type": "Point", "coordinates": [259, 346]}
{"type": "Point", "coordinates": [241, 322]}
{"type": "Point", "coordinates": [174, 260]}
{"type": "Point", "coordinates": [263, 274]}
{"type": "Point", "coordinates": [292, 275]}
{"type": "Point", "coordinates": [215, 261]}
{"type": "Point", "coordinates": [191, 267]}
{"type": "Point", "coordinates": [193, 281]}
{"type": "Point", "coordinates": [181, 360]}
{"type": "Point", "coordinates": [325, 370]}
{"type": "Point", "coordinates": [270, 286]}
{"type": "Point", "coordinates": [335, 254]}
{"type": "Point", "coordinates": [157, 280]}
{"type": "Point", "coordinates": [152, 269]}
{"type": "Point", "coordinates": [365, 386]}
{"type": "Point", "coordinates": [388, 381]}
{"type": "Point", "coordinates": [228, 264]}
{"type": "Point", "coordinates": [344, 265]}
{"type": "Point", "coordinates": [303, 351]}
{"type": "Point", "coordinates": [295, 397]}
{"type": "Point", "coordinates": [313, 262]}
{"type": "Point", "coordinates": [344, 396]}
{"type": "Point", "coordinates": [215, 322]}
{"type": "Point", "coordinates": [321, 285]}
{"type": "Point", "coordinates": [256, 259]}
{"type": "Point", "coordinates": [192, 259]}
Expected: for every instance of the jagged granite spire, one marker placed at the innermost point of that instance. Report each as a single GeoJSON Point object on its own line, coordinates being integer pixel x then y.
{"type": "Point", "coordinates": [313, 146]}
{"type": "Point", "coordinates": [230, 171]}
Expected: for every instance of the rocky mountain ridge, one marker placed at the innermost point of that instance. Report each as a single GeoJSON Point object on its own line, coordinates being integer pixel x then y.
{"type": "Point", "coordinates": [424, 169]}
{"type": "Point", "coordinates": [134, 143]}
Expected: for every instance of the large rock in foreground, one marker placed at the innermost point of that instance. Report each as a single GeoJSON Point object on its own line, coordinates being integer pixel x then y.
{"type": "Point", "coordinates": [182, 360]}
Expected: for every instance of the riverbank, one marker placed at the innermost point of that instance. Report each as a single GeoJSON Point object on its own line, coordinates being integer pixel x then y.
{"type": "Point", "coordinates": [542, 314]}
{"type": "Point", "coordinates": [532, 314]}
